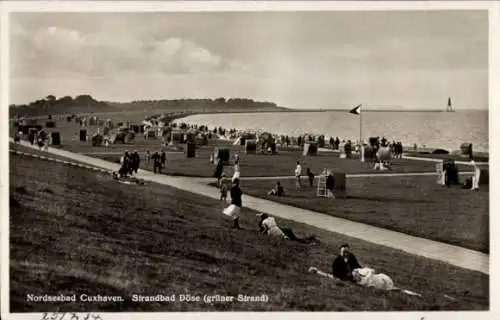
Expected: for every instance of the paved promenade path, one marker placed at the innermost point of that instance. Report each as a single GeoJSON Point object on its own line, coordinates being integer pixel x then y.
{"type": "Point", "coordinates": [350, 176]}
{"type": "Point", "coordinates": [458, 256]}
{"type": "Point", "coordinates": [115, 153]}
{"type": "Point", "coordinates": [440, 160]}
{"type": "Point", "coordinates": [415, 158]}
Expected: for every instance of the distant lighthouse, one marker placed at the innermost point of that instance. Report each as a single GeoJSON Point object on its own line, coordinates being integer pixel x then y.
{"type": "Point", "coordinates": [449, 108]}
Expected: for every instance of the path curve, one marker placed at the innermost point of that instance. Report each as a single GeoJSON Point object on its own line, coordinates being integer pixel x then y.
{"type": "Point", "coordinates": [455, 255]}
{"type": "Point", "coordinates": [350, 176]}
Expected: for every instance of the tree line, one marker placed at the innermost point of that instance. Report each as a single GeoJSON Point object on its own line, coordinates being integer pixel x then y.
{"type": "Point", "coordinates": [87, 104]}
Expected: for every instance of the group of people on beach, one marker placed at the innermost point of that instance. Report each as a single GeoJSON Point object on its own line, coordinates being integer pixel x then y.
{"type": "Point", "coordinates": [40, 138]}
{"type": "Point", "coordinates": [397, 149]}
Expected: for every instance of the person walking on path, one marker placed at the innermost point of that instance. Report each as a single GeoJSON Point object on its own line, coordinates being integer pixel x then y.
{"type": "Point", "coordinates": [163, 160]}
{"type": "Point", "coordinates": [310, 175]}
{"type": "Point", "coordinates": [218, 171]}
{"type": "Point", "coordinates": [136, 159]}
{"type": "Point", "coordinates": [156, 162]}
{"type": "Point", "coordinates": [17, 137]}
{"type": "Point", "coordinates": [234, 209]}
{"type": "Point", "coordinates": [124, 165]}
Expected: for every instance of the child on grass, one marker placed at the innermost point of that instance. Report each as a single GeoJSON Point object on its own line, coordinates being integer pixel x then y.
{"type": "Point", "coordinates": [223, 189]}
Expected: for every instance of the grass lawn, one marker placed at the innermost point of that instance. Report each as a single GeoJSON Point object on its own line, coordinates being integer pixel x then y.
{"type": "Point", "coordinates": [74, 231]}
{"type": "Point", "coordinates": [412, 205]}
{"type": "Point", "coordinates": [260, 165]}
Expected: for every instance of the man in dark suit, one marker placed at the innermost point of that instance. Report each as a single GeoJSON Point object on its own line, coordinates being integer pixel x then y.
{"type": "Point", "coordinates": [156, 162]}
{"type": "Point", "coordinates": [344, 264]}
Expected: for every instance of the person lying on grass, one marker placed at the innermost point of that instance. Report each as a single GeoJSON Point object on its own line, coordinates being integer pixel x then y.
{"type": "Point", "coordinates": [126, 179]}
{"type": "Point", "coordinates": [344, 264]}
{"type": "Point", "coordinates": [268, 226]}
{"type": "Point", "coordinates": [277, 190]}
{"type": "Point", "coordinates": [366, 277]}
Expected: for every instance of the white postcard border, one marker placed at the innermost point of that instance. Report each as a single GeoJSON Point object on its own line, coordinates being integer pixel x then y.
{"type": "Point", "coordinates": [207, 6]}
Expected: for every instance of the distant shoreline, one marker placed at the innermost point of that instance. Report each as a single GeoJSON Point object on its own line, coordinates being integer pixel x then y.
{"type": "Point", "coordinates": [198, 112]}
{"type": "Point", "coordinates": [289, 110]}
{"type": "Point", "coordinates": [421, 147]}
{"type": "Point", "coordinates": [318, 110]}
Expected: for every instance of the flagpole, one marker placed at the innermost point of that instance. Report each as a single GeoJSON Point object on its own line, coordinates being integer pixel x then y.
{"type": "Point", "coordinates": [361, 145]}
{"type": "Point", "coordinates": [357, 111]}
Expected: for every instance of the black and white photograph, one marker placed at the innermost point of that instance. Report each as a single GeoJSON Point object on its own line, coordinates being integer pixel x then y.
{"type": "Point", "coordinates": [247, 158]}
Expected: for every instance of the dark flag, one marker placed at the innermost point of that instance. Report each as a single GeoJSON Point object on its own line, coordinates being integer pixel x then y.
{"type": "Point", "coordinates": [356, 110]}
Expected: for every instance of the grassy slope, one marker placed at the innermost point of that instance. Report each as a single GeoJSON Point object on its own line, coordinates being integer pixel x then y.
{"type": "Point", "coordinates": [412, 205]}
{"type": "Point", "coordinates": [20, 148]}
{"type": "Point", "coordinates": [74, 231]}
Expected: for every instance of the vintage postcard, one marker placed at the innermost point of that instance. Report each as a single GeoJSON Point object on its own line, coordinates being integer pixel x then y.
{"type": "Point", "coordinates": [251, 157]}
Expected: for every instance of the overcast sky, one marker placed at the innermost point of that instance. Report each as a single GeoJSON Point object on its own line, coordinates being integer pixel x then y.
{"type": "Point", "coordinates": [304, 59]}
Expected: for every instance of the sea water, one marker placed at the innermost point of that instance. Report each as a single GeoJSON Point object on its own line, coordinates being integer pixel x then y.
{"type": "Point", "coordinates": [445, 130]}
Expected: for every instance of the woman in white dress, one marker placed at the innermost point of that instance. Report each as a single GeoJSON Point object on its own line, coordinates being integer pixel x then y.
{"type": "Point", "coordinates": [236, 174]}
{"type": "Point", "coordinates": [367, 277]}
{"type": "Point", "coordinates": [298, 173]}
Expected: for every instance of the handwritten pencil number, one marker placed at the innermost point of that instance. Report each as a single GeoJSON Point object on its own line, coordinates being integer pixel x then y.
{"type": "Point", "coordinates": [66, 316]}
{"type": "Point", "coordinates": [57, 316]}
{"type": "Point", "coordinates": [53, 316]}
